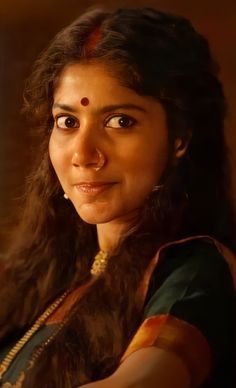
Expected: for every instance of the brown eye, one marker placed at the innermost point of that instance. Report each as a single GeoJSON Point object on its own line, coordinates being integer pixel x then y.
{"type": "Point", "coordinates": [66, 122]}
{"type": "Point", "coordinates": [124, 121]}
{"type": "Point", "coordinates": [120, 121]}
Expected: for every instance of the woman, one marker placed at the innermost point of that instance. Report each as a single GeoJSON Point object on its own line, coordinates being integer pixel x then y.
{"type": "Point", "coordinates": [120, 269]}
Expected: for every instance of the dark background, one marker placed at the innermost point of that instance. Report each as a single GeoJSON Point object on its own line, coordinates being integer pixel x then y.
{"type": "Point", "coordinates": [27, 26]}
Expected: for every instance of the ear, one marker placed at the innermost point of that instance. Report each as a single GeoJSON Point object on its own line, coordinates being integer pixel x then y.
{"type": "Point", "coordinates": [181, 146]}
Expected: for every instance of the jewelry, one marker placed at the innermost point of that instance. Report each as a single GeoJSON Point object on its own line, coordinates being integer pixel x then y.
{"type": "Point", "coordinates": [98, 267]}
{"type": "Point", "coordinates": [97, 165]}
{"type": "Point", "coordinates": [100, 263]}
{"type": "Point", "coordinates": [157, 187]}
{"type": "Point", "coordinates": [65, 196]}
{"type": "Point", "coordinates": [84, 101]}
{"type": "Point", "coordinates": [5, 363]}
{"type": "Point", "coordinates": [101, 160]}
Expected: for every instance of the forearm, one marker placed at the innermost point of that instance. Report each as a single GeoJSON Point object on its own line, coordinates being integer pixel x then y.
{"type": "Point", "coordinates": [106, 383]}
{"type": "Point", "coordinates": [147, 367]}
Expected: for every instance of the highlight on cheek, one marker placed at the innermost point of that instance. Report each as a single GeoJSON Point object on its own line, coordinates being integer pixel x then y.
{"type": "Point", "coordinates": [84, 101]}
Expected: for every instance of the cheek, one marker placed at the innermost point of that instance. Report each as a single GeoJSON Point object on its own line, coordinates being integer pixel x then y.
{"type": "Point", "coordinates": [148, 163]}
{"type": "Point", "coordinates": [157, 154]}
{"type": "Point", "coordinates": [160, 161]}
{"type": "Point", "coordinates": [52, 152]}
{"type": "Point", "coordinates": [57, 158]}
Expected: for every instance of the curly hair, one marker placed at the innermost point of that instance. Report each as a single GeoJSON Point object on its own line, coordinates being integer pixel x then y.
{"type": "Point", "coordinates": [159, 55]}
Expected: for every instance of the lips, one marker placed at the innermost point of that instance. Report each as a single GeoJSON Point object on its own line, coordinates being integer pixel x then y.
{"type": "Point", "coordinates": [93, 187]}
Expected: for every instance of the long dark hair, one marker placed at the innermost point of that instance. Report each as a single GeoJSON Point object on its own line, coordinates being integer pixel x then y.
{"type": "Point", "coordinates": [158, 55]}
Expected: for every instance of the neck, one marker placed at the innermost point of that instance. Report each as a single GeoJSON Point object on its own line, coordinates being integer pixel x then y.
{"type": "Point", "coordinates": [111, 233]}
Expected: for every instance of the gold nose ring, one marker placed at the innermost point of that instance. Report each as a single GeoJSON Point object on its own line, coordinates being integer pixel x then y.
{"type": "Point", "coordinates": [101, 160]}
{"type": "Point", "coordinates": [99, 164]}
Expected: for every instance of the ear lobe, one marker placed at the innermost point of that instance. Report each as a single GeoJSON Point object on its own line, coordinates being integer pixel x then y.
{"type": "Point", "coordinates": [181, 147]}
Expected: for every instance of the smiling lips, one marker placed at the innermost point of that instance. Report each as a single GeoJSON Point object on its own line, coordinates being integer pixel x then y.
{"type": "Point", "coordinates": [93, 188]}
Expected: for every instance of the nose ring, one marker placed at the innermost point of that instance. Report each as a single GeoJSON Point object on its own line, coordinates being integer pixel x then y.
{"type": "Point", "coordinates": [96, 165]}
{"type": "Point", "coordinates": [101, 160]}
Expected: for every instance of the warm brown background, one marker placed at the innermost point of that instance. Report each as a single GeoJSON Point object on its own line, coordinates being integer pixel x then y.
{"type": "Point", "coordinates": [27, 26]}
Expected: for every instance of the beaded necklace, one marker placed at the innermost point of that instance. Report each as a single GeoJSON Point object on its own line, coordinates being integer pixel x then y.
{"type": "Point", "coordinates": [98, 267]}
{"type": "Point", "coordinates": [5, 363]}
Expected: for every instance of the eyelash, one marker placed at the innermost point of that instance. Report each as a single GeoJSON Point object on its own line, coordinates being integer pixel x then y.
{"type": "Point", "coordinates": [121, 116]}
{"type": "Point", "coordinates": [65, 118]}
{"type": "Point", "coordinates": [131, 121]}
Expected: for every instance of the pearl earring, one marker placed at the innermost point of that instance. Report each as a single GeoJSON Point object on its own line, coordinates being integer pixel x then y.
{"type": "Point", "coordinates": [65, 196]}
{"type": "Point", "coordinates": [157, 187]}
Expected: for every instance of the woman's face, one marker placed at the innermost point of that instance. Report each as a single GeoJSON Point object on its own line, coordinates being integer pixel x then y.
{"type": "Point", "coordinates": [109, 145]}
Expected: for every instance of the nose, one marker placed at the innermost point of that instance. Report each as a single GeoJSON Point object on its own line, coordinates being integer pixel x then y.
{"type": "Point", "coordinates": [87, 151]}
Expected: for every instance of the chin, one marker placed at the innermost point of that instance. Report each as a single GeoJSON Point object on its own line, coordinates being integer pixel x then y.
{"type": "Point", "coordinates": [94, 216]}
{"type": "Point", "coordinates": [95, 220]}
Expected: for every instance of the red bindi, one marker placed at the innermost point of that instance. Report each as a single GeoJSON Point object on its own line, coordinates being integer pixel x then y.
{"type": "Point", "coordinates": [84, 101]}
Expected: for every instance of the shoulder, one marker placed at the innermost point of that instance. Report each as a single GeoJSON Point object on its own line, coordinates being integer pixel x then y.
{"type": "Point", "coordinates": [193, 283]}
{"type": "Point", "coordinates": [188, 264]}
{"type": "Point", "coordinates": [189, 309]}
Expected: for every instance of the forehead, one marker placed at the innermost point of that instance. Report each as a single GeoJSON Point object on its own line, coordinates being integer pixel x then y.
{"type": "Point", "coordinates": [96, 77]}
{"type": "Point", "coordinates": [98, 84]}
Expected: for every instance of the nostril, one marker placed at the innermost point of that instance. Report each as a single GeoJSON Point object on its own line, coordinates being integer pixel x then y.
{"type": "Point", "coordinates": [90, 159]}
{"type": "Point", "coordinates": [75, 159]}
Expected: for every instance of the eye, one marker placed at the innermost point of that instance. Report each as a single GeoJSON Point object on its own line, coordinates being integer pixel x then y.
{"type": "Point", "coordinates": [120, 121]}
{"type": "Point", "coordinates": [65, 122]}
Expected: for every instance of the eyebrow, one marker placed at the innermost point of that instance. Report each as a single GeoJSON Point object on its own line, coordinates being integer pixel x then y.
{"type": "Point", "coordinates": [104, 109]}
{"type": "Point", "coordinates": [64, 107]}
{"type": "Point", "coordinates": [121, 106]}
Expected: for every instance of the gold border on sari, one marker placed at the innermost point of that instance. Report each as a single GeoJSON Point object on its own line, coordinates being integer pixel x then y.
{"type": "Point", "coordinates": [178, 336]}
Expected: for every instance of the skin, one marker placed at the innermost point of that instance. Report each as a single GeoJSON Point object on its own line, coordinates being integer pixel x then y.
{"type": "Point", "coordinates": [147, 368]}
{"type": "Point", "coordinates": [133, 154]}
{"type": "Point", "coordinates": [105, 132]}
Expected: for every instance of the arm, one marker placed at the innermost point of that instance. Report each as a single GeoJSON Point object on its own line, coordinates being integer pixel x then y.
{"type": "Point", "coordinates": [150, 367]}
{"type": "Point", "coordinates": [178, 352]}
